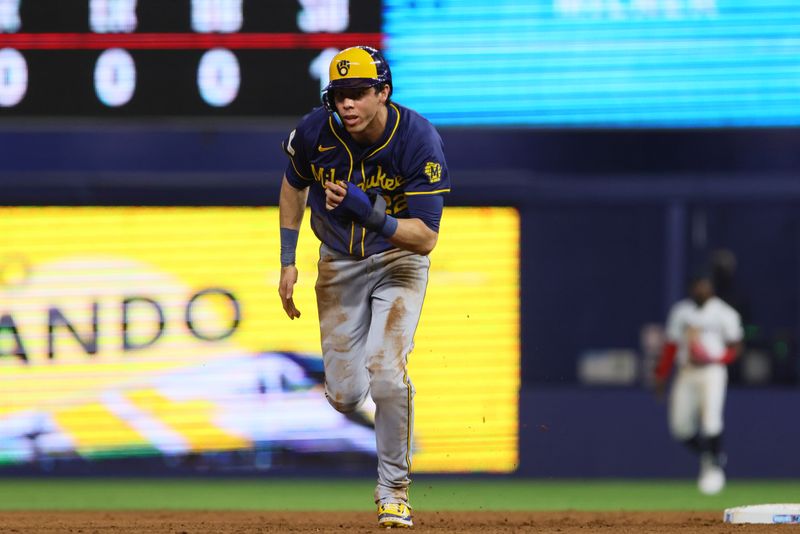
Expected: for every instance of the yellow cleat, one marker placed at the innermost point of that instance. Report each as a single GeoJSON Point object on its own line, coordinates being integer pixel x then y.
{"type": "Point", "coordinates": [394, 515]}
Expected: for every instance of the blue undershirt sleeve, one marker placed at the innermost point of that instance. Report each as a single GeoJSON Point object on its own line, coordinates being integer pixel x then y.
{"type": "Point", "coordinates": [427, 208]}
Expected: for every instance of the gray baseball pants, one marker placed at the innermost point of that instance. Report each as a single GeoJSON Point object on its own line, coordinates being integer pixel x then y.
{"type": "Point", "coordinates": [368, 312]}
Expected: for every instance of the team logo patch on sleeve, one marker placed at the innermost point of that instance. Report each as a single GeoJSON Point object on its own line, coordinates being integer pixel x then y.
{"type": "Point", "coordinates": [433, 171]}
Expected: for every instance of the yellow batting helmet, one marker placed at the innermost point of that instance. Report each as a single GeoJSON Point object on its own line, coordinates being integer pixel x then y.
{"type": "Point", "coordinates": [357, 66]}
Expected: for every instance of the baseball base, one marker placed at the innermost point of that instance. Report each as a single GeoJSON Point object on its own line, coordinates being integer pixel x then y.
{"type": "Point", "coordinates": [764, 514]}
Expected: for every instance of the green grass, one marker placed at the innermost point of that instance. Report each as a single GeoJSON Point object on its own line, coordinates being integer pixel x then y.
{"type": "Point", "coordinates": [426, 494]}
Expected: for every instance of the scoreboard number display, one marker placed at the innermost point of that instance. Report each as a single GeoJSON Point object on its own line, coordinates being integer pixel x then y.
{"type": "Point", "coordinates": [174, 58]}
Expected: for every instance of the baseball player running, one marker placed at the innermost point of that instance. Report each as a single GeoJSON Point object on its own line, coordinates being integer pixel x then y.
{"type": "Point", "coordinates": [374, 175]}
{"type": "Point", "coordinates": [704, 334]}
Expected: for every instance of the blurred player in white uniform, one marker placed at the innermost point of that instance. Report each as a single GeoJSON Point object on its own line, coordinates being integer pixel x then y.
{"type": "Point", "coordinates": [703, 336]}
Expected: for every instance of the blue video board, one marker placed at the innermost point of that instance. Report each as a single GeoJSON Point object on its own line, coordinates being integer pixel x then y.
{"type": "Point", "coordinates": [597, 63]}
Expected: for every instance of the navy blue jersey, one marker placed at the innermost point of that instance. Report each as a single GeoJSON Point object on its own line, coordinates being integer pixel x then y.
{"type": "Point", "coordinates": [407, 160]}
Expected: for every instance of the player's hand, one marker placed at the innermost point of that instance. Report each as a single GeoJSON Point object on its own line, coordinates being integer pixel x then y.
{"type": "Point", "coordinates": [698, 354]}
{"type": "Point", "coordinates": [286, 290]}
{"type": "Point", "coordinates": [351, 203]}
{"type": "Point", "coordinates": [334, 194]}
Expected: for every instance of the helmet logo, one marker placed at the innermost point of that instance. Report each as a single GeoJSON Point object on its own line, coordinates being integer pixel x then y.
{"type": "Point", "coordinates": [343, 67]}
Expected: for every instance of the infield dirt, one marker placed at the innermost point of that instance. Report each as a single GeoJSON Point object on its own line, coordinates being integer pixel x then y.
{"type": "Point", "coordinates": [229, 522]}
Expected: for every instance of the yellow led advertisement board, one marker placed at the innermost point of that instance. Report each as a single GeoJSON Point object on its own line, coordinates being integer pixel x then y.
{"type": "Point", "coordinates": [137, 332]}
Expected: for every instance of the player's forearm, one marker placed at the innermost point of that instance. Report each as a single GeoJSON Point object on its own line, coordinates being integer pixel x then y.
{"type": "Point", "coordinates": [415, 236]}
{"type": "Point", "coordinates": [732, 351]}
{"type": "Point", "coordinates": [410, 234]}
{"type": "Point", "coordinates": [665, 363]}
{"type": "Point", "coordinates": [292, 205]}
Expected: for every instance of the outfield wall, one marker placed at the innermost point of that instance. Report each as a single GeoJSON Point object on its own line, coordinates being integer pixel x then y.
{"type": "Point", "coordinates": [591, 432]}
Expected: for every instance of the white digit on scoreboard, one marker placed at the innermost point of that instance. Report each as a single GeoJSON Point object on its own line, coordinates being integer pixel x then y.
{"type": "Point", "coordinates": [218, 77]}
{"type": "Point", "coordinates": [115, 77]}
{"type": "Point", "coordinates": [112, 16]}
{"type": "Point", "coordinates": [324, 16]}
{"type": "Point", "coordinates": [224, 16]}
{"type": "Point", "coordinates": [13, 77]}
{"type": "Point", "coordinates": [9, 16]}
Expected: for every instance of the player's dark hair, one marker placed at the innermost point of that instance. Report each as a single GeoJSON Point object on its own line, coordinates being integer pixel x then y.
{"type": "Point", "coordinates": [379, 87]}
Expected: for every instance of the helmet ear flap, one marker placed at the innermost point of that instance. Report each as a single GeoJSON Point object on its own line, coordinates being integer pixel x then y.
{"type": "Point", "coordinates": [326, 101]}
{"type": "Point", "coordinates": [330, 106]}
